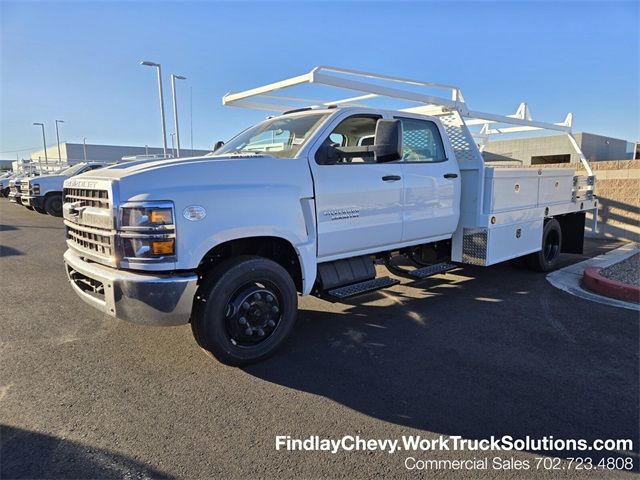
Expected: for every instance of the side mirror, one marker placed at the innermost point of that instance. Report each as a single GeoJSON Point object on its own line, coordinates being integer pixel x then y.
{"type": "Point", "coordinates": [387, 144]}
{"type": "Point", "coordinates": [217, 145]}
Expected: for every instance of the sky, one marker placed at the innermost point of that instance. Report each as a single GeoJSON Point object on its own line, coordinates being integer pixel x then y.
{"type": "Point", "coordinates": [79, 61]}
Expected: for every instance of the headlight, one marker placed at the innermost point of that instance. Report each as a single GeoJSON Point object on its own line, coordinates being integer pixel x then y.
{"type": "Point", "coordinates": [36, 189]}
{"type": "Point", "coordinates": [147, 230]}
{"type": "Point", "coordinates": [147, 216]}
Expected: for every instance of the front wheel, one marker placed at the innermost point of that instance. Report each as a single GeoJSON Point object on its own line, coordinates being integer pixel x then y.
{"type": "Point", "coordinates": [547, 259]}
{"type": "Point", "coordinates": [53, 205]}
{"type": "Point", "coordinates": [244, 310]}
{"type": "Point", "coordinates": [40, 210]}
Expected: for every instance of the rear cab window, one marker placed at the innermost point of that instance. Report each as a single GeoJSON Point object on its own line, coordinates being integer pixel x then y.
{"type": "Point", "coordinates": [421, 141]}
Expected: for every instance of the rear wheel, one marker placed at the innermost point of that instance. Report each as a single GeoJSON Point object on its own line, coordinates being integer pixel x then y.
{"type": "Point", "coordinates": [547, 258]}
{"type": "Point", "coordinates": [244, 310]}
{"type": "Point", "coordinates": [53, 205]}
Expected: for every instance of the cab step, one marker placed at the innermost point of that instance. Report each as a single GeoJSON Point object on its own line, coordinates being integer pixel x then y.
{"type": "Point", "coordinates": [431, 270]}
{"type": "Point", "coordinates": [418, 273]}
{"type": "Point", "coordinates": [362, 287]}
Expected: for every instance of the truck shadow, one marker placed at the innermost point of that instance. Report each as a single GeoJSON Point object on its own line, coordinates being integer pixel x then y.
{"type": "Point", "coordinates": [27, 454]}
{"type": "Point", "coordinates": [9, 251]}
{"type": "Point", "coordinates": [491, 357]}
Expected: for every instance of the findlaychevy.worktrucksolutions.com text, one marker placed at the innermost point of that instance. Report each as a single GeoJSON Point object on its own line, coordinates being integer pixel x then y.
{"type": "Point", "coordinates": [449, 443]}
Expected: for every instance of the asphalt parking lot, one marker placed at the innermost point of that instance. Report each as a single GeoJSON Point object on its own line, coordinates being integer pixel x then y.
{"type": "Point", "coordinates": [476, 353]}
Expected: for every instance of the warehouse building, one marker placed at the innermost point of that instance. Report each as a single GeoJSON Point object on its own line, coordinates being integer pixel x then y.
{"type": "Point", "coordinates": [555, 149]}
{"type": "Point", "coordinates": [72, 153]}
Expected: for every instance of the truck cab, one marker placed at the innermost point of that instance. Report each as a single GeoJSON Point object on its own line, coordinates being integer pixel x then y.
{"type": "Point", "coordinates": [44, 194]}
{"type": "Point", "coordinates": [308, 202]}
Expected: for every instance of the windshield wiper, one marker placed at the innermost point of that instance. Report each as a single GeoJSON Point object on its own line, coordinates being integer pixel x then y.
{"type": "Point", "coordinates": [244, 152]}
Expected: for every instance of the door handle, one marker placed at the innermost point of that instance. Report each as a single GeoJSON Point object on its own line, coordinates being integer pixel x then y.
{"type": "Point", "coordinates": [391, 178]}
{"type": "Point", "coordinates": [450, 175]}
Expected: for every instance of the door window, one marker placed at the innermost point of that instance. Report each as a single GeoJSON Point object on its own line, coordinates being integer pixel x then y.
{"type": "Point", "coordinates": [356, 130]}
{"type": "Point", "coordinates": [421, 141]}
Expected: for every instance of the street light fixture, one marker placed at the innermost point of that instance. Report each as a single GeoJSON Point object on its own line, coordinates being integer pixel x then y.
{"type": "Point", "coordinates": [44, 143]}
{"type": "Point", "coordinates": [58, 140]}
{"type": "Point", "coordinates": [175, 77]}
{"type": "Point", "coordinates": [164, 128]}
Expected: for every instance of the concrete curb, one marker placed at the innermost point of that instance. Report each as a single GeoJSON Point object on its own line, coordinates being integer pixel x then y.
{"type": "Point", "coordinates": [609, 288]}
{"type": "Point", "coordinates": [569, 279]}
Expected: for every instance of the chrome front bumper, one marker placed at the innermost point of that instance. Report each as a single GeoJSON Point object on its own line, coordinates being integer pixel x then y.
{"type": "Point", "coordinates": [142, 298]}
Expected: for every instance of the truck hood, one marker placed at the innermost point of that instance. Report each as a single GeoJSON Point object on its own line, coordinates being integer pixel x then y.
{"type": "Point", "coordinates": [194, 178]}
{"type": "Point", "coordinates": [122, 170]}
{"type": "Point", "coordinates": [47, 179]}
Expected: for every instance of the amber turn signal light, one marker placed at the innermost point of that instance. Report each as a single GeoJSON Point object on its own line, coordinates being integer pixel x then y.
{"type": "Point", "coordinates": [162, 247]}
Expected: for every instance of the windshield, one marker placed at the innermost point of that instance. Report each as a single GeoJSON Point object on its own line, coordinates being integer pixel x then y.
{"type": "Point", "coordinates": [281, 136]}
{"type": "Point", "coordinates": [73, 170]}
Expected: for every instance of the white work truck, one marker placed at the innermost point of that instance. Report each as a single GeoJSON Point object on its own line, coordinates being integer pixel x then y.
{"type": "Point", "coordinates": [15, 185]}
{"type": "Point", "coordinates": [308, 202]}
{"type": "Point", "coordinates": [44, 193]}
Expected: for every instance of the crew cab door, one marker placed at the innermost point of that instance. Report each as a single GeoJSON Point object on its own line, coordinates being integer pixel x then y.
{"type": "Point", "coordinates": [431, 199]}
{"type": "Point", "coordinates": [358, 201]}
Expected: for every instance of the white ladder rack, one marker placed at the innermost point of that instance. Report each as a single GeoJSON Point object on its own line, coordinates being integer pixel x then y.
{"type": "Point", "coordinates": [365, 86]}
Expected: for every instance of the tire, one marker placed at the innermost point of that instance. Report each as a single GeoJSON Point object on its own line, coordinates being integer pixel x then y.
{"type": "Point", "coordinates": [53, 205]}
{"type": "Point", "coordinates": [5, 192]}
{"type": "Point", "coordinates": [547, 258]}
{"type": "Point", "coordinates": [28, 207]}
{"type": "Point", "coordinates": [244, 310]}
{"type": "Point", "coordinates": [40, 210]}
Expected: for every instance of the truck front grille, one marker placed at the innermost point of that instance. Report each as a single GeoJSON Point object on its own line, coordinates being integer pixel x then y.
{"type": "Point", "coordinates": [91, 240]}
{"type": "Point", "coordinates": [88, 221]}
{"type": "Point", "coordinates": [88, 196]}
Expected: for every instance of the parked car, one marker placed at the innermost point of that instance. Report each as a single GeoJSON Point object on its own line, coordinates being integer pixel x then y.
{"type": "Point", "coordinates": [308, 202]}
{"type": "Point", "coordinates": [44, 194]}
{"type": "Point", "coordinates": [4, 183]}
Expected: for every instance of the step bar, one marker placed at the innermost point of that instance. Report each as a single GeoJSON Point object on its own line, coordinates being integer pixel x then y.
{"type": "Point", "coordinates": [361, 288]}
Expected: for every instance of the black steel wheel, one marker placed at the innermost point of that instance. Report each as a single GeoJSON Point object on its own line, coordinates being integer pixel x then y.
{"type": "Point", "coordinates": [253, 313]}
{"type": "Point", "coordinates": [547, 258]}
{"type": "Point", "coordinates": [244, 309]}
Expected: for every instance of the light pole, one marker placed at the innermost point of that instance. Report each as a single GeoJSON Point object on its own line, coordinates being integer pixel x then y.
{"type": "Point", "coordinates": [58, 140]}
{"type": "Point", "coordinates": [84, 147]}
{"type": "Point", "coordinates": [164, 128]}
{"type": "Point", "coordinates": [173, 145]}
{"type": "Point", "coordinates": [44, 143]}
{"type": "Point", "coordinates": [175, 77]}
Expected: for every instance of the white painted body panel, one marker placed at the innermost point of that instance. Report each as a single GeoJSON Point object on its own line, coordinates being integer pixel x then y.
{"type": "Point", "coordinates": [521, 188]}
{"type": "Point", "coordinates": [356, 209]}
{"type": "Point", "coordinates": [431, 206]}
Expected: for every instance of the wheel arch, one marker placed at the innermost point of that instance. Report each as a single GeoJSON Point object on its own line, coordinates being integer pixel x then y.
{"type": "Point", "coordinates": [275, 248]}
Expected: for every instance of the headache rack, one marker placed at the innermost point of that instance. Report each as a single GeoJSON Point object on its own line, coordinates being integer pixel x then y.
{"type": "Point", "coordinates": [413, 95]}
